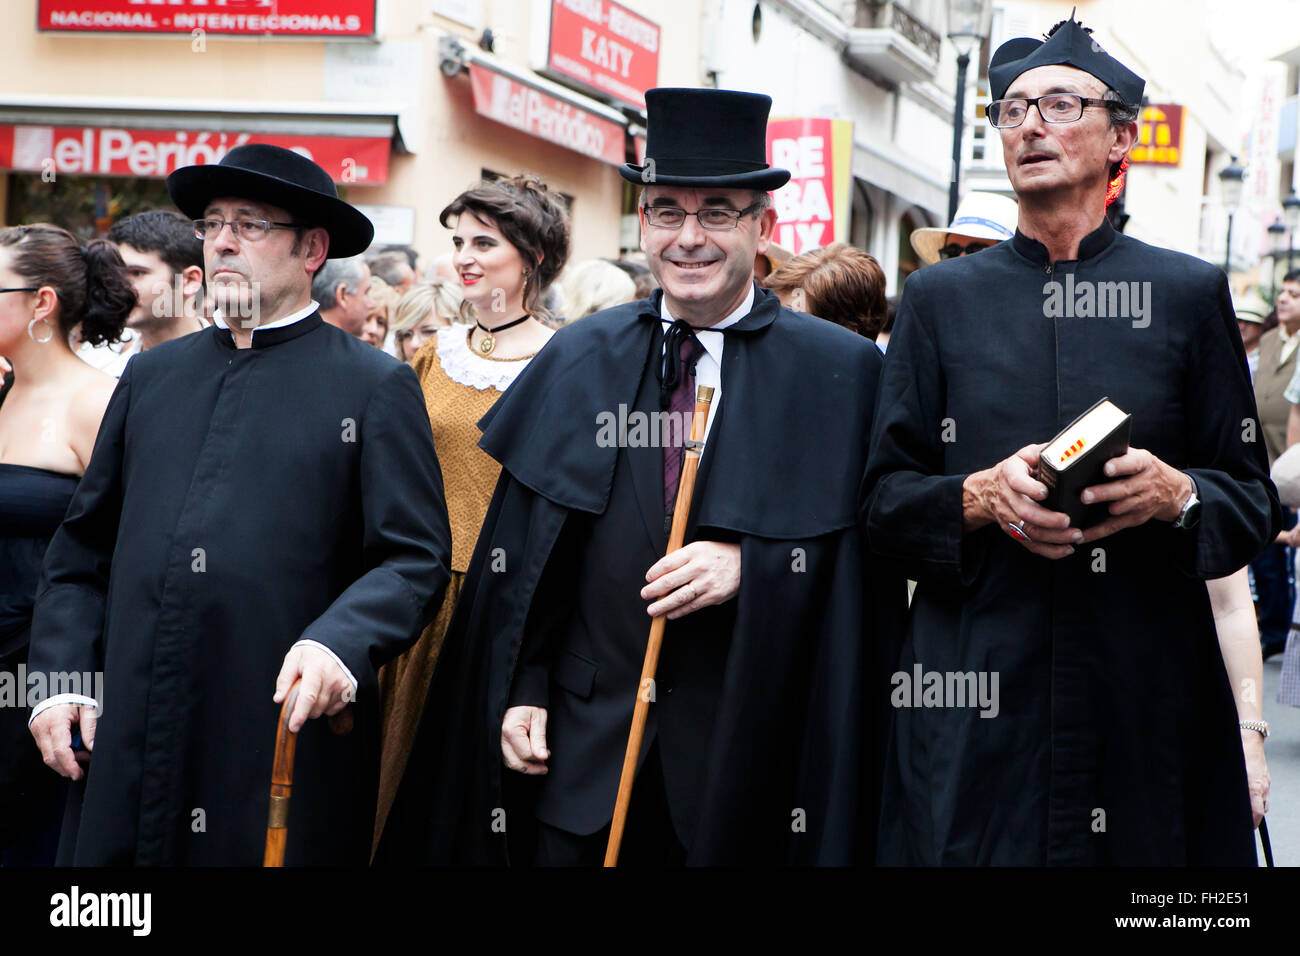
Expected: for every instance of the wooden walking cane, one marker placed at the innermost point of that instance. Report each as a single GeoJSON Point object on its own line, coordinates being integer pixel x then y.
{"type": "Point", "coordinates": [277, 820]}
{"type": "Point", "coordinates": [286, 743]}
{"type": "Point", "coordinates": [681, 511]}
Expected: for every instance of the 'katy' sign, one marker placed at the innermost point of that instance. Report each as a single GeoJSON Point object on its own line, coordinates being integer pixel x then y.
{"type": "Point", "coordinates": [812, 209]}
{"type": "Point", "coordinates": [604, 46]}
{"type": "Point", "coordinates": [347, 18]}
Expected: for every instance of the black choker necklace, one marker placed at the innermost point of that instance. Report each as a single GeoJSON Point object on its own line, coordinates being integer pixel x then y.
{"type": "Point", "coordinates": [488, 343]}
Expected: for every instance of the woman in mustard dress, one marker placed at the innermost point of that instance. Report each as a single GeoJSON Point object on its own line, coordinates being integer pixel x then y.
{"type": "Point", "coordinates": [511, 239]}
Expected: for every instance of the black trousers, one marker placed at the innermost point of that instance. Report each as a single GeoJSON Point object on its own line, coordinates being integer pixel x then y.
{"type": "Point", "coordinates": [649, 838]}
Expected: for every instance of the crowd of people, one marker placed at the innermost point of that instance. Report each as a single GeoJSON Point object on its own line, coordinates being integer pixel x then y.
{"type": "Point", "coordinates": [242, 447]}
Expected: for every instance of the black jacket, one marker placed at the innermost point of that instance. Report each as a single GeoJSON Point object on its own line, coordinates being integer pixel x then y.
{"type": "Point", "coordinates": [766, 708]}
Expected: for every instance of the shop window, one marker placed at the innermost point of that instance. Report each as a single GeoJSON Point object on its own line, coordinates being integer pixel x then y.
{"type": "Point", "coordinates": [86, 206]}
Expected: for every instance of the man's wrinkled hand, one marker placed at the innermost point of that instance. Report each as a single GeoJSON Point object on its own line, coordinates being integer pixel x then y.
{"type": "Point", "coordinates": [1008, 494]}
{"type": "Point", "coordinates": [52, 730]}
{"type": "Point", "coordinates": [325, 688]}
{"type": "Point", "coordinates": [1141, 487]}
{"type": "Point", "coordinates": [523, 739]}
{"type": "Point", "coordinates": [699, 575]}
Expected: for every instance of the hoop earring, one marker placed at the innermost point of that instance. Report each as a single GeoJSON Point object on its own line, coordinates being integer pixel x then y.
{"type": "Point", "coordinates": [32, 335]}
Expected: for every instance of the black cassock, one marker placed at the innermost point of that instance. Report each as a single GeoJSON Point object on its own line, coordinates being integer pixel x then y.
{"type": "Point", "coordinates": [1116, 738]}
{"type": "Point", "coordinates": [238, 501]}
{"type": "Point", "coordinates": [767, 708]}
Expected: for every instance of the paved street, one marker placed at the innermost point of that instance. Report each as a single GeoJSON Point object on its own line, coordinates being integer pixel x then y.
{"type": "Point", "coordinates": [1283, 751]}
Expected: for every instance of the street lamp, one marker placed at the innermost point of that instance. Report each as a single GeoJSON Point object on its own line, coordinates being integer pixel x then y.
{"type": "Point", "coordinates": [1291, 213]}
{"type": "Point", "coordinates": [968, 24]}
{"type": "Point", "coordinates": [1275, 230]}
{"type": "Point", "coordinates": [1230, 187]}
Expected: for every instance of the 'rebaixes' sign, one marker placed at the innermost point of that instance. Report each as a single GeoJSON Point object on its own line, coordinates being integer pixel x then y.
{"type": "Point", "coordinates": [604, 47]}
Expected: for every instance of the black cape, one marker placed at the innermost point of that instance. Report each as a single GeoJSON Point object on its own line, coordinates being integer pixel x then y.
{"type": "Point", "coordinates": [794, 716]}
{"type": "Point", "coordinates": [237, 501]}
{"type": "Point", "coordinates": [1115, 740]}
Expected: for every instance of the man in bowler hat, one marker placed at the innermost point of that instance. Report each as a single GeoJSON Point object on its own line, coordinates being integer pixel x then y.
{"type": "Point", "coordinates": [263, 504]}
{"type": "Point", "coordinates": [761, 742]}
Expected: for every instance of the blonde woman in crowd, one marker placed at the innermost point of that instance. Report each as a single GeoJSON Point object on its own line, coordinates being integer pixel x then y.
{"type": "Point", "coordinates": [375, 329]}
{"type": "Point", "coordinates": [419, 314]}
{"type": "Point", "coordinates": [594, 285]}
{"type": "Point", "coordinates": [511, 239]}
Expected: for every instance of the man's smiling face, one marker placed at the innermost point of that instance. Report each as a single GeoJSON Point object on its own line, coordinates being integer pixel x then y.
{"type": "Point", "coordinates": [705, 273]}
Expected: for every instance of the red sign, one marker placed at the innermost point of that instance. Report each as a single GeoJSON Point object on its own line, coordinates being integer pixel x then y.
{"type": "Point", "coordinates": [606, 47]}
{"type": "Point", "coordinates": [506, 100]}
{"type": "Point", "coordinates": [344, 18]}
{"type": "Point", "coordinates": [1160, 136]}
{"type": "Point", "coordinates": [812, 209]}
{"type": "Point", "coordinates": [152, 154]}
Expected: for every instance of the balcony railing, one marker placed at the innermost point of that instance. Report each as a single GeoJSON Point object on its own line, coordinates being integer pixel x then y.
{"type": "Point", "coordinates": [889, 42]}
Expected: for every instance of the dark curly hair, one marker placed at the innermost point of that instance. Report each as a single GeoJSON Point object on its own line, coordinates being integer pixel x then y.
{"type": "Point", "coordinates": [532, 217]}
{"type": "Point", "coordinates": [91, 284]}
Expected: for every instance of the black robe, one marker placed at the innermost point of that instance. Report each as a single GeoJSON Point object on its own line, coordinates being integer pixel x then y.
{"type": "Point", "coordinates": [766, 706]}
{"type": "Point", "coordinates": [237, 501]}
{"type": "Point", "coordinates": [1116, 738]}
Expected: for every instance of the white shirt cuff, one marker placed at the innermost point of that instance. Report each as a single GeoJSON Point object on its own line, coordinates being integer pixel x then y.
{"type": "Point", "coordinates": [59, 699]}
{"type": "Point", "coordinates": [336, 660]}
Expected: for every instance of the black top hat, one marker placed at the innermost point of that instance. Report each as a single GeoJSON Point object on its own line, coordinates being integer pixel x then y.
{"type": "Point", "coordinates": [706, 138]}
{"type": "Point", "coordinates": [281, 177]}
{"type": "Point", "coordinates": [1070, 45]}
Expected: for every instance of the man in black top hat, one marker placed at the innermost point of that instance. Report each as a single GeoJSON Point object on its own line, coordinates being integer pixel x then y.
{"type": "Point", "coordinates": [760, 744]}
{"type": "Point", "coordinates": [263, 504]}
{"type": "Point", "coordinates": [1114, 739]}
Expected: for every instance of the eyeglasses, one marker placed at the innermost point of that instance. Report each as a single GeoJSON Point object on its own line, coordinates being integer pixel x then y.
{"type": "Point", "coordinates": [1053, 108]}
{"type": "Point", "coordinates": [714, 219]}
{"type": "Point", "coordinates": [23, 288]}
{"type": "Point", "coordinates": [952, 250]}
{"type": "Point", "coordinates": [250, 230]}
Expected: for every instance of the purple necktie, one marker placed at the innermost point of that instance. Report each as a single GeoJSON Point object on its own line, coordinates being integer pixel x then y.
{"type": "Point", "coordinates": [681, 407]}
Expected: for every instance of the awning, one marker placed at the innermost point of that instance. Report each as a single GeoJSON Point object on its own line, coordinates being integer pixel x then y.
{"type": "Point", "coordinates": [541, 108]}
{"type": "Point", "coordinates": [149, 138]}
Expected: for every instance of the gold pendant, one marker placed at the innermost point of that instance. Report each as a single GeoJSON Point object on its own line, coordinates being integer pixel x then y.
{"type": "Point", "coordinates": [486, 344]}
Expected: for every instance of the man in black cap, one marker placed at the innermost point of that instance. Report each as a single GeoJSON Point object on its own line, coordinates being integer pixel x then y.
{"type": "Point", "coordinates": [761, 741]}
{"type": "Point", "coordinates": [1115, 737]}
{"type": "Point", "coordinates": [264, 504]}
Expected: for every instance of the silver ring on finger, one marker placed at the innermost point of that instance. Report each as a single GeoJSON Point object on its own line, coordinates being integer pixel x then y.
{"type": "Point", "coordinates": [1018, 531]}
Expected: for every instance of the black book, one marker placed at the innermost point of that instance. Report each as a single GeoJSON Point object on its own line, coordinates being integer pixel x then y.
{"type": "Point", "coordinates": [1074, 459]}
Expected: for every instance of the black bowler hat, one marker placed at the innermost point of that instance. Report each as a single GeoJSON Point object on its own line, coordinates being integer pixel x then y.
{"type": "Point", "coordinates": [281, 177]}
{"type": "Point", "coordinates": [706, 138]}
{"type": "Point", "coordinates": [1070, 45]}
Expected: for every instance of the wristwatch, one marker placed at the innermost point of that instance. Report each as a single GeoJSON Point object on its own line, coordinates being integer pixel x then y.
{"type": "Point", "coordinates": [1191, 511]}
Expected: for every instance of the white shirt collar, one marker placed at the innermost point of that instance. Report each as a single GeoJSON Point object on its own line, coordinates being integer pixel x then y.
{"type": "Point", "coordinates": [712, 343]}
{"type": "Point", "coordinates": [219, 321]}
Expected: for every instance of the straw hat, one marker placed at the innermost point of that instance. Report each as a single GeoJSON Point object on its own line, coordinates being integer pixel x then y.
{"type": "Point", "coordinates": [979, 216]}
{"type": "Point", "coordinates": [1251, 307]}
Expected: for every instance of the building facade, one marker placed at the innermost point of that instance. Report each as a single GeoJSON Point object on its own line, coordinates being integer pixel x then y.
{"type": "Point", "coordinates": [405, 102]}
